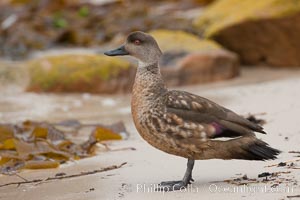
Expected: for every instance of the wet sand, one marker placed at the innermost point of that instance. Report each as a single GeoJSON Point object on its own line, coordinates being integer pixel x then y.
{"type": "Point", "coordinates": [273, 92]}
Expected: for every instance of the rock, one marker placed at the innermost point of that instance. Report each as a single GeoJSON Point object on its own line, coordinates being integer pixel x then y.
{"type": "Point", "coordinates": [207, 67]}
{"type": "Point", "coordinates": [80, 73]}
{"type": "Point", "coordinates": [190, 60]}
{"type": "Point", "coordinates": [23, 40]}
{"type": "Point", "coordinates": [281, 164]}
{"type": "Point", "coordinates": [264, 174]}
{"type": "Point", "coordinates": [172, 40]}
{"type": "Point", "coordinates": [85, 23]}
{"type": "Point", "coordinates": [187, 60]}
{"type": "Point", "coordinates": [264, 31]}
{"type": "Point", "coordinates": [245, 177]}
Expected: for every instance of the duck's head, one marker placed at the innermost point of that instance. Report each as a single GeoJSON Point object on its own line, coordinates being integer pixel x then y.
{"type": "Point", "coordinates": [139, 45]}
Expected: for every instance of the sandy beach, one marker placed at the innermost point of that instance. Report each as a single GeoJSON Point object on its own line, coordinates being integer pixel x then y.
{"type": "Point", "coordinates": [275, 100]}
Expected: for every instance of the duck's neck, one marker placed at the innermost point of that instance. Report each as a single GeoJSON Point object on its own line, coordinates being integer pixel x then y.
{"type": "Point", "coordinates": [148, 81]}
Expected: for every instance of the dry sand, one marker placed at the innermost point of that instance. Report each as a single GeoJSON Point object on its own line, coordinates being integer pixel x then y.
{"type": "Point", "coordinates": [278, 99]}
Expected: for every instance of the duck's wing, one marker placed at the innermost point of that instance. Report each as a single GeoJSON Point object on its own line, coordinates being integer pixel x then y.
{"type": "Point", "coordinates": [198, 111]}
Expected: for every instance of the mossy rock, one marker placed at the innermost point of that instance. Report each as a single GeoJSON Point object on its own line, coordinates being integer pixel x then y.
{"type": "Point", "coordinates": [173, 40]}
{"type": "Point", "coordinates": [187, 59]}
{"type": "Point", "coordinates": [261, 32]}
{"type": "Point", "coordinates": [80, 73]}
{"type": "Point", "coordinates": [225, 13]}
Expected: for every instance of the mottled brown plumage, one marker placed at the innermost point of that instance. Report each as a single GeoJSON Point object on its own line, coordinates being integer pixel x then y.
{"type": "Point", "coordinates": [184, 124]}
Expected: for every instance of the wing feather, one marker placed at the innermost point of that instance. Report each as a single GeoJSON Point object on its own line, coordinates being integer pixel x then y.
{"type": "Point", "coordinates": [196, 109]}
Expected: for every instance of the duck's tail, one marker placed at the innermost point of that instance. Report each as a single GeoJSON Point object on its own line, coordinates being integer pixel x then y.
{"type": "Point", "coordinates": [259, 150]}
{"type": "Point", "coordinates": [244, 148]}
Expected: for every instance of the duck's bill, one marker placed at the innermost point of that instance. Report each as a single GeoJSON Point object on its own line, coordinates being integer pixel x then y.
{"type": "Point", "coordinates": [121, 51]}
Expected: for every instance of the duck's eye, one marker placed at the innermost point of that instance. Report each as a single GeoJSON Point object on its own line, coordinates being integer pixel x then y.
{"type": "Point", "coordinates": [137, 42]}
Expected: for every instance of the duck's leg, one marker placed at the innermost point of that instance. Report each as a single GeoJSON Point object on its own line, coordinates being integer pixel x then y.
{"type": "Point", "coordinates": [177, 185]}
